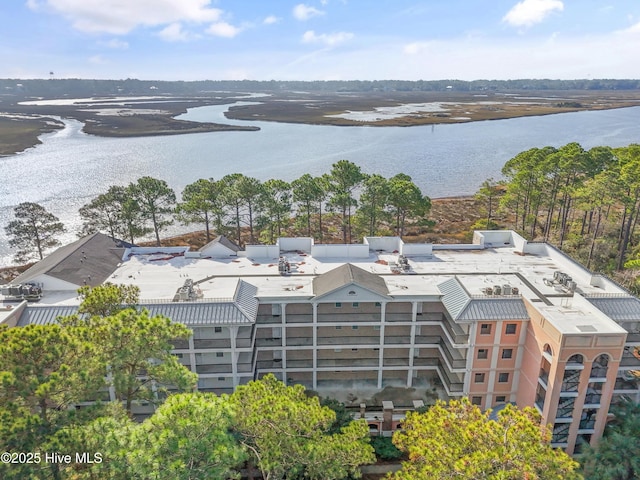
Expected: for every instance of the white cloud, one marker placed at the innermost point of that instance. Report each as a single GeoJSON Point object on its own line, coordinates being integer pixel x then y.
{"type": "Point", "coordinates": [115, 43]}
{"type": "Point", "coordinates": [97, 60]}
{"type": "Point", "coordinates": [415, 48]}
{"type": "Point", "coordinates": [270, 20]}
{"type": "Point", "coordinates": [174, 33]}
{"type": "Point", "coordinates": [305, 12]}
{"type": "Point", "coordinates": [120, 16]}
{"type": "Point", "coordinates": [330, 39]}
{"type": "Point", "coordinates": [529, 12]}
{"type": "Point", "coordinates": [223, 29]}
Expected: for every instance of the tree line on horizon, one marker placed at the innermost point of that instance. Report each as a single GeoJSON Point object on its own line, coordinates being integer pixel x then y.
{"type": "Point", "coordinates": [130, 86]}
{"type": "Point", "coordinates": [239, 206]}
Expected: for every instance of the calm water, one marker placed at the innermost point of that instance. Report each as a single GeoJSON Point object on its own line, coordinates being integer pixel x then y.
{"type": "Point", "coordinates": [70, 168]}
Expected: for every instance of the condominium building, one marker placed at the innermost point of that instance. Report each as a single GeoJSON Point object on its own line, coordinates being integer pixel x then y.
{"type": "Point", "coordinates": [498, 320]}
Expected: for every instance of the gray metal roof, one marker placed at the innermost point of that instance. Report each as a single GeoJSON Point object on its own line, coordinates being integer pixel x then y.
{"type": "Point", "coordinates": [88, 261]}
{"type": "Point", "coordinates": [348, 274]}
{"type": "Point", "coordinates": [494, 309]}
{"type": "Point", "coordinates": [242, 310]}
{"type": "Point", "coordinates": [455, 297]}
{"type": "Point", "coordinates": [618, 308]}
{"type": "Point", "coordinates": [36, 315]}
{"type": "Point", "coordinates": [222, 240]}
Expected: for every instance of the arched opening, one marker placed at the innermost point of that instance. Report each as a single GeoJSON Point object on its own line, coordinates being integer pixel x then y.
{"type": "Point", "coordinates": [600, 366]}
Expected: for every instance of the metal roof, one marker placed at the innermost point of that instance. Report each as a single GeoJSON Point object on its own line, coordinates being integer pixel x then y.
{"type": "Point", "coordinates": [494, 309]}
{"type": "Point", "coordinates": [345, 275]}
{"type": "Point", "coordinates": [242, 310]}
{"type": "Point", "coordinates": [36, 315]}
{"type": "Point", "coordinates": [455, 297]}
{"type": "Point", "coordinates": [618, 308]}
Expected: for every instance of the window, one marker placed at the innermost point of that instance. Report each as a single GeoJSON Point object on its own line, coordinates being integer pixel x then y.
{"type": "Point", "coordinates": [338, 304]}
{"type": "Point", "coordinates": [219, 354]}
{"type": "Point", "coordinates": [338, 327]}
{"type": "Point", "coordinates": [355, 304]}
{"type": "Point", "coordinates": [507, 353]}
{"type": "Point", "coordinates": [479, 378]}
{"type": "Point", "coordinates": [485, 329]}
{"type": "Point", "coordinates": [354, 327]}
{"type": "Point", "coordinates": [217, 329]}
{"type": "Point", "coordinates": [501, 399]}
{"type": "Point", "coordinates": [221, 379]}
{"type": "Point", "coordinates": [511, 328]}
{"type": "Point", "coordinates": [503, 378]}
{"type": "Point", "coordinates": [476, 401]}
{"type": "Point", "coordinates": [378, 304]}
{"type": "Point", "coordinates": [482, 353]}
{"type": "Point", "coordinates": [354, 349]}
{"type": "Point", "coordinates": [352, 292]}
{"type": "Point", "coordinates": [376, 327]}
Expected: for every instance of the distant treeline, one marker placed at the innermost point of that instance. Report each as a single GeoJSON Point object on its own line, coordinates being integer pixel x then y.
{"type": "Point", "coordinates": [79, 87]}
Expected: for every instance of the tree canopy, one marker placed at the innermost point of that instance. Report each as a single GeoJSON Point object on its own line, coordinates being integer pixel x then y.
{"type": "Point", "coordinates": [457, 440]}
{"type": "Point", "coordinates": [33, 231]}
{"type": "Point", "coordinates": [286, 433]}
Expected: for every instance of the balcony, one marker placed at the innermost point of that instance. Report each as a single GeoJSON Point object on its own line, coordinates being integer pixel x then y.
{"type": "Point", "coordinates": [396, 362]}
{"type": "Point", "coordinates": [346, 315]}
{"type": "Point", "coordinates": [625, 384]}
{"type": "Point", "coordinates": [587, 424]}
{"type": "Point", "coordinates": [299, 363]}
{"type": "Point", "coordinates": [348, 362]}
{"type": "Point", "coordinates": [223, 368]}
{"type": "Point", "coordinates": [268, 342]}
{"type": "Point", "coordinates": [299, 341]}
{"type": "Point", "coordinates": [397, 340]}
{"type": "Point", "coordinates": [209, 343]}
{"type": "Point", "coordinates": [592, 399]}
{"type": "Point", "coordinates": [266, 319]}
{"type": "Point", "coordinates": [349, 340]}
{"type": "Point", "coordinates": [180, 344]}
{"type": "Point", "coordinates": [452, 381]}
{"type": "Point", "coordinates": [424, 340]}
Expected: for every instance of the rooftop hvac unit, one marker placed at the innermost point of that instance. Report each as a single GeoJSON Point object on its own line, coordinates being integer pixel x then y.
{"type": "Point", "coordinates": [488, 291]}
{"type": "Point", "coordinates": [506, 289]}
{"type": "Point", "coordinates": [571, 285]}
{"type": "Point", "coordinates": [515, 291]}
{"type": "Point", "coordinates": [15, 290]}
{"type": "Point", "coordinates": [5, 291]}
{"type": "Point", "coordinates": [497, 290]}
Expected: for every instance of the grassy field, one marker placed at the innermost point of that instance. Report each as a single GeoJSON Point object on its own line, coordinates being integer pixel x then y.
{"type": "Point", "coordinates": [18, 134]}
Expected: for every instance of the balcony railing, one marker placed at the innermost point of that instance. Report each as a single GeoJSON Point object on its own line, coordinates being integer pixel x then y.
{"type": "Point", "coordinates": [224, 368]}
{"type": "Point", "coordinates": [349, 340]}
{"type": "Point", "coordinates": [211, 343]}
{"type": "Point", "coordinates": [299, 341]}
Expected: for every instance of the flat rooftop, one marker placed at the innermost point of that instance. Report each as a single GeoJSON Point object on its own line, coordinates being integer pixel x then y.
{"type": "Point", "coordinates": [495, 259]}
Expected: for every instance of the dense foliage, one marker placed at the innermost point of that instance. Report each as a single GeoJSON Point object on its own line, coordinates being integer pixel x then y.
{"type": "Point", "coordinates": [459, 441]}
{"type": "Point", "coordinates": [617, 454]}
{"type": "Point", "coordinates": [586, 202]}
{"type": "Point", "coordinates": [252, 211]}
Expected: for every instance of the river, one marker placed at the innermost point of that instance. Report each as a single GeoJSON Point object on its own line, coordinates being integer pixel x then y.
{"type": "Point", "coordinates": [70, 167]}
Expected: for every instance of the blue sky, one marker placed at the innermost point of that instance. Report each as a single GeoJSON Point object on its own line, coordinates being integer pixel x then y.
{"type": "Point", "coordinates": [320, 39]}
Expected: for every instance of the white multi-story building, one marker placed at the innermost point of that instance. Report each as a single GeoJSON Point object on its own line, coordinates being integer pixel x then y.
{"type": "Point", "coordinates": [499, 320]}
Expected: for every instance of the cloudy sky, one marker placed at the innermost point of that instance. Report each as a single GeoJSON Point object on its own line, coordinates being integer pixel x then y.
{"type": "Point", "coordinates": [320, 39]}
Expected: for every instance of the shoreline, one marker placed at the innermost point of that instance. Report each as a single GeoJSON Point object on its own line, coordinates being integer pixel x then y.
{"type": "Point", "coordinates": [22, 124]}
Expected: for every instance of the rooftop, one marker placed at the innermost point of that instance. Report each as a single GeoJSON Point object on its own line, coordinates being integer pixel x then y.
{"type": "Point", "coordinates": [486, 279]}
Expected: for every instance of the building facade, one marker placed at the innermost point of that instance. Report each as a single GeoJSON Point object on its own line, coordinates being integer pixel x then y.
{"type": "Point", "coordinates": [499, 320]}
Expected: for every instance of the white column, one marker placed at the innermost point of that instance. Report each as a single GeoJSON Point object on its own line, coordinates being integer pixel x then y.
{"type": "Point", "coordinates": [383, 307]}
{"type": "Point", "coordinates": [315, 345]}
